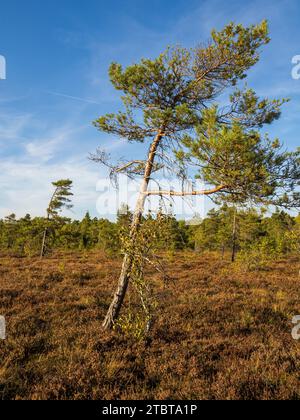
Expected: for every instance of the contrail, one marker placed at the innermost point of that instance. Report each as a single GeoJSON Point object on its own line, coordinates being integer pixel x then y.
{"type": "Point", "coordinates": [76, 98]}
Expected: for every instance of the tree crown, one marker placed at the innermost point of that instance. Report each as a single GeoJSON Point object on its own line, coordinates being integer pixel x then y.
{"type": "Point", "coordinates": [61, 197]}
{"type": "Point", "coordinates": [175, 96]}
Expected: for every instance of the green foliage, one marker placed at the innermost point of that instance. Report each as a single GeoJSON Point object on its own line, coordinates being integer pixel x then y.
{"type": "Point", "coordinates": [258, 255]}
{"type": "Point", "coordinates": [60, 198]}
{"type": "Point", "coordinates": [172, 89]}
{"type": "Point", "coordinates": [259, 239]}
{"type": "Point", "coordinates": [140, 251]}
{"type": "Point", "coordinates": [132, 325]}
{"type": "Point", "coordinates": [175, 95]}
{"type": "Point", "coordinates": [215, 231]}
{"type": "Point", "coordinates": [294, 236]}
{"type": "Point", "coordinates": [247, 166]}
{"type": "Point", "coordinates": [238, 48]}
{"type": "Point", "coordinates": [171, 234]}
{"type": "Point", "coordinates": [279, 233]}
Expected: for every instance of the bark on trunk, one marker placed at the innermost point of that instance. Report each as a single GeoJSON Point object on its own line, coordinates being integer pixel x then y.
{"type": "Point", "coordinates": [234, 236]}
{"type": "Point", "coordinates": [118, 299]}
{"type": "Point", "coordinates": [44, 243]}
{"type": "Point", "coordinates": [223, 251]}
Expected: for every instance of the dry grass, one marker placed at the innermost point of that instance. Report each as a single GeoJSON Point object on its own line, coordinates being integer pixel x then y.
{"type": "Point", "coordinates": [219, 334]}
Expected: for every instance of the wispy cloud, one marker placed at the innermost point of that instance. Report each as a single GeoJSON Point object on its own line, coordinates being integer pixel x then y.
{"type": "Point", "coordinates": [26, 187]}
{"type": "Point", "coordinates": [49, 135]}
{"type": "Point", "coordinates": [12, 126]}
{"type": "Point", "coordinates": [42, 154]}
{"type": "Point", "coordinates": [45, 149]}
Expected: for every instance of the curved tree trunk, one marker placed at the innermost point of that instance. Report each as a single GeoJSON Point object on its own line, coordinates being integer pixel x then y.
{"type": "Point", "coordinates": [118, 299]}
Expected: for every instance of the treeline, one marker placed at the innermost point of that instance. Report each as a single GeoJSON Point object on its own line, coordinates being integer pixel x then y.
{"type": "Point", "coordinates": [24, 236]}
{"type": "Point", "coordinates": [249, 235]}
{"type": "Point", "coordinates": [223, 230]}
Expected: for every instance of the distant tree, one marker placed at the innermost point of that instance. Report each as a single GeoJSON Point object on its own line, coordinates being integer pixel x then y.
{"type": "Point", "coordinates": [219, 231]}
{"type": "Point", "coordinates": [251, 228]}
{"type": "Point", "coordinates": [11, 225]}
{"type": "Point", "coordinates": [86, 239]}
{"type": "Point", "coordinates": [278, 229]}
{"type": "Point", "coordinates": [108, 237]}
{"type": "Point", "coordinates": [171, 234]}
{"type": "Point", "coordinates": [11, 219]}
{"type": "Point", "coordinates": [124, 217]}
{"type": "Point", "coordinates": [207, 233]}
{"type": "Point", "coordinates": [294, 236]}
{"type": "Point", "coordinates": [167, 99]}
{"type": "Point", "coordinates": [60, 199]}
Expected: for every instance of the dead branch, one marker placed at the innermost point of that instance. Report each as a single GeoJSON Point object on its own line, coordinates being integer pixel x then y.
{"type": "Point", "coordinates": [187, 193]}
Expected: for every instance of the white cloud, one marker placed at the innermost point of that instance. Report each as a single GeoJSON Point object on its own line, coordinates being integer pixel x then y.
{"type": "Point", "coordinates": [31, 160]}
{"type": "Point", "coordinates": [26, 187]}
{"type": "Point", "coordinates": [12, 126]}
{"type": "Point", "coordinates": [45, 149]}
{"type": "Point", "coordinates": [36, 151]}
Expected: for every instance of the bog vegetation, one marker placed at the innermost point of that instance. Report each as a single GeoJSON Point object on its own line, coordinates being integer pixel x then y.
{"type": "Point", "coordinates": [220, 332]}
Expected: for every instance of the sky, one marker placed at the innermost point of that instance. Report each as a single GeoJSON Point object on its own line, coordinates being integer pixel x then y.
{"type": "Point", "coordinates": [57, 54]}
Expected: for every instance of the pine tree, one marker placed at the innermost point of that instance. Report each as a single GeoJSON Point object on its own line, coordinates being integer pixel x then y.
{"type": "Point", "coordinates": [60, 199]}
{"type": "Point", "coordinates": [167, 98]}
{"type": "Point", "coordinates": [85, 233]}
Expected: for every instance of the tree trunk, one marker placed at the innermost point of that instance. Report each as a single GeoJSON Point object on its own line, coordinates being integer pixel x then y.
{"type": "Point", "coordinates": [223, 251]}
{"type": "Point", "coordinates": [118, 299]}
{"type": "Point", "coordinates": [234, 236]}
{"type": "Point", "coordinates": [44, 243]}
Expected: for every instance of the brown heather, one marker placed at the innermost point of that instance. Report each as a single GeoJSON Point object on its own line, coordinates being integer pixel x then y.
{"type": "Point", "coordinates": [220, 333]}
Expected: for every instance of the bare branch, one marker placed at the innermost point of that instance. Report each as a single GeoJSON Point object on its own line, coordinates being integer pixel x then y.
{"type": "Point", "coordinates": [187, 193]}
{"type": "Point", "coordinates": [128, 165]}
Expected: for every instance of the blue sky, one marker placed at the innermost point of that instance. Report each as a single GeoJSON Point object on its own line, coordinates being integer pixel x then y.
{"type": "Point", "coordinates": [57, 55]}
